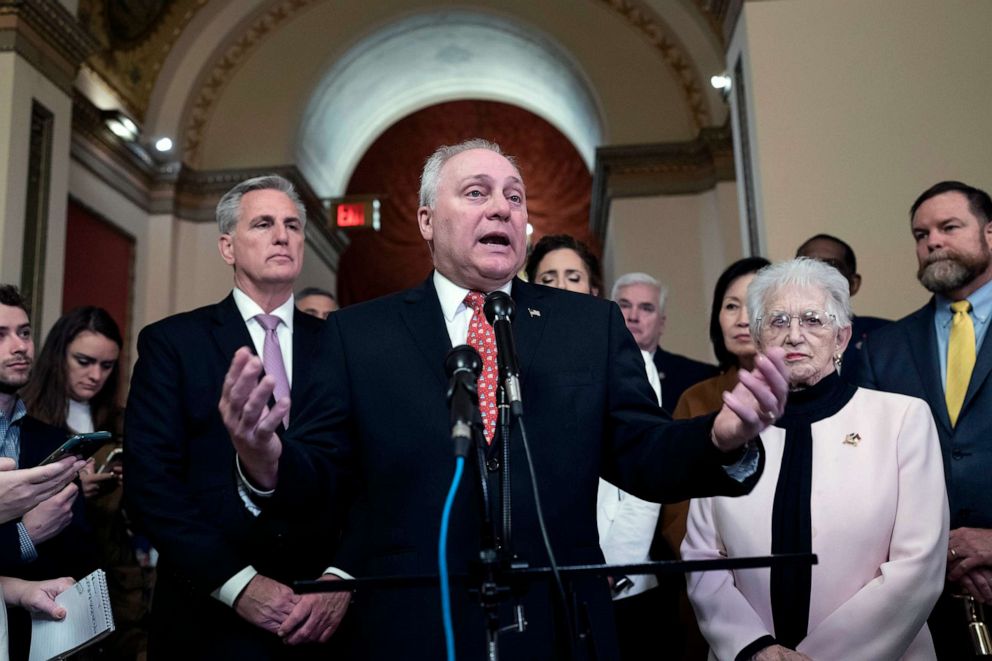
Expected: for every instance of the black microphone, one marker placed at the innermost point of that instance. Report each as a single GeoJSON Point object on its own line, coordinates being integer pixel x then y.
{"type": "Point", "coordinates": [499, 309]}
{"type": "Point", "coordinates": [463, 365]}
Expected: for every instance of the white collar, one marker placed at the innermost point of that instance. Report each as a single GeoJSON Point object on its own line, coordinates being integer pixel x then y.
{"type": "Point", "coordinates": [452, 297]}
{"type": "Point", "coordinates": [249, 308]}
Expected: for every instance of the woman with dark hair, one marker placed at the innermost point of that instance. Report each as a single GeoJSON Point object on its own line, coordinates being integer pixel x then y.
{"type": "Point", "coordinates": [74, 386]}
{"type": "Point", "coordinates": [730, 336]}
{"type": "Point", "coordinates": [564, 262]}
{"type": "Point", "coordinates": [734, 349]}
{"type": "Point", "coordinates": [75, 377]}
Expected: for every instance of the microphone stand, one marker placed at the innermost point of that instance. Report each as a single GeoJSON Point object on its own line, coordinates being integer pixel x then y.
{"type": "Point", "coordinates": [499, 309]}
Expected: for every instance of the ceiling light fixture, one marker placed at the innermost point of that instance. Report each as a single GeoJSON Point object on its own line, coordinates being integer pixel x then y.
{"type": "Point", "coordinates": [121, 125]}
{"type": "Point", "coordinates": [722, 82]}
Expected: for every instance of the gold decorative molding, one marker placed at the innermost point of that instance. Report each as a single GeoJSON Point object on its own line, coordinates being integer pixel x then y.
{"type": "Point", "coordinates": [130, 64]}
{"type": "Point", "coordinates": [715, 12]}
{"type": "Point", "coordinates": [669, 168]}
{"type": "Point", "coordinates": [653, 28]}
{"type": "Point", "coordinates": [45, 34]}
{"type": "Point", "coordinates": [209, 90]}
{"type": "Point", "coordinates": [730, 18]}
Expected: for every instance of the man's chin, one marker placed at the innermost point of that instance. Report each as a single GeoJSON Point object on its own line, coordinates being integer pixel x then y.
{"type": "Point", "coordinates": [944, 276]}
{"type": "Point", "coordinates": [499, 270]}
{"type": "Point", "coordinates": [11, 387]}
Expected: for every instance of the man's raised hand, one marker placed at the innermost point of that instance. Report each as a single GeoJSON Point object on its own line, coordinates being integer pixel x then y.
{"type": "Point", "coordinates": [250, 422]}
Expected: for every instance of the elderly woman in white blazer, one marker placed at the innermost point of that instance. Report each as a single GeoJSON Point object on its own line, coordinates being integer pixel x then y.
{"type": "Point", "coordinates": [852, 475]}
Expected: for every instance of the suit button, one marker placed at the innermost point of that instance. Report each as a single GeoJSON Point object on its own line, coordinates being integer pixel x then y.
{"type": "Point", "coordinates": [957, 454]}
{"type": "Point", "coordinates": [493, 465]}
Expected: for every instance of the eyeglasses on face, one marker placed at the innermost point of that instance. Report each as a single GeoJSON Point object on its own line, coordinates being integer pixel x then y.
{"type": "Point", "coordinates": [778, 322]}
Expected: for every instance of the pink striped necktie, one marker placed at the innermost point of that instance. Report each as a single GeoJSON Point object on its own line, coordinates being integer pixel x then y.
{"type": "Point", "coordinates": [272, 358]}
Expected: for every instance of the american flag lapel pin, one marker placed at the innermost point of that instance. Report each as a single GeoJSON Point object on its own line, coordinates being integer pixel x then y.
{"type": "Point", "coordinates": [533, 312]}
{"type": "Point", "coordinates": [852, 439]}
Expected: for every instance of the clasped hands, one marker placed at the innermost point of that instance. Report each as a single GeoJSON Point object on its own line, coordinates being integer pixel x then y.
{"type": "Point", "coordinates": [756, 402]}
{"type": "Point", "coordinates": [969, 561]}
{"type": "Point", "coordinates": [297, 619]}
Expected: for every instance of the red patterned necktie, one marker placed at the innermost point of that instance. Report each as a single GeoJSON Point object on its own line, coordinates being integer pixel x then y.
{"type": "Point", "coordinates": [482, 339]}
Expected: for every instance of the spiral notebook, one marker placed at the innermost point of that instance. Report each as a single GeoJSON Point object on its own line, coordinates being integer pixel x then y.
{"type": "Point", "coordinates": [88, 619]}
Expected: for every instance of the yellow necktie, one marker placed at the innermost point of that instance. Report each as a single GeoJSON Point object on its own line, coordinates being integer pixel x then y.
{"type": "Point", "coordinates": [960, 358]}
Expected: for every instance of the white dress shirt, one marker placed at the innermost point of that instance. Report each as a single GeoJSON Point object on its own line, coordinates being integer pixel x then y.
{"type": "Point", "coordinates": [79, 418]}
{"type": "Point", "coordinates": [627, 523]}
{"type": "Point", "coordinates": [457, 315]}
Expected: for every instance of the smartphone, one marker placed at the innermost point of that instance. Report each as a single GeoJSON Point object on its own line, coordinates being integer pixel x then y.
{"type": "Point", "coordinates": [80, 445]}
{"type": "Point", "coordinates": [117, 454]}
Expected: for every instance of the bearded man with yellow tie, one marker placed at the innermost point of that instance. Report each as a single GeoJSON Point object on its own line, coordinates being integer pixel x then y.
{"type": "Point", "coordinates": [939, 354]}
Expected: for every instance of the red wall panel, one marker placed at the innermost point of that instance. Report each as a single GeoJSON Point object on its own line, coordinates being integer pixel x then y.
{"type": "Point", "coordinates": [99, 259]}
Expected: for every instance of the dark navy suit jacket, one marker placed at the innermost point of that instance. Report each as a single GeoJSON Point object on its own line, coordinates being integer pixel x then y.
{"type": "Point", "coordinates": [902, 358]}
{"type": "Point", "coordinates": [374, 437]}
{"type": "Point", "coordinates": [678, 374]}
{"type": "Point", "coordinates": [181, 486]}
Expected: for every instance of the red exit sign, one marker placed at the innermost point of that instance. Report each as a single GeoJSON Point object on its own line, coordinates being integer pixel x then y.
{"type": "Point", "coordinates": [351, 214]}
{"type": "Point", "coordinates": [356, 212]}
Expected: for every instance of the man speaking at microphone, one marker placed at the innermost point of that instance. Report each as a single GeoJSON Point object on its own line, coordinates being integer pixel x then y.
{"type": "Point", "coordinates": [373, 435]}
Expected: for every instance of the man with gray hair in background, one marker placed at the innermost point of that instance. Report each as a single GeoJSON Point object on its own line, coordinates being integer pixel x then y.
{"type": "Point", "coordinates": [653, 616]}
{"type": "Point", "coordinates": [225, 567]}
{"type": "Point", "coordinates": [642, 301]}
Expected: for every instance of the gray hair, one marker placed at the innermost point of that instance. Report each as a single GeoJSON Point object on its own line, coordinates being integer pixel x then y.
{"type": "Point", "coordinates": [638, 278]}
{"type": "Point", "coordinates": [432, 168]}
{"type": "Point", "coordinates": [804, 273]}
{"type": "Point", "coordinates": [229, 206]}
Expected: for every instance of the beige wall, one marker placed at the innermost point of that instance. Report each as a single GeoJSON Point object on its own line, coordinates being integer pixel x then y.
{"type": "Point", "coordinates": [202, 277]}
{"type": "Point", "coordinates": [20, 84]}
{"type": "Point", "coordinates": [683, 240]}
{"type": "Point", "coordinates": [857, 106]}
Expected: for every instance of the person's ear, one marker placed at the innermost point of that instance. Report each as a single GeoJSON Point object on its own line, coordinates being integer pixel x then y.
{"type": "Point", "coordinates": [226, 247]}
{"type": "Point", "coordinates": [425, 221]}
{"type": "Point", "coordinates": [855, 283]}
{"type": "Point", "coordinates": [843, 339]}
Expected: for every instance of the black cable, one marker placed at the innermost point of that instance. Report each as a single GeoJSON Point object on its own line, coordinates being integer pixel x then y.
{"type": "Point", "coordinates": [547, 542]}
{"type": "Point", "coordinates": [506, 484]}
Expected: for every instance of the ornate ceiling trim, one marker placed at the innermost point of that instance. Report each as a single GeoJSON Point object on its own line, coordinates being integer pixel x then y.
{"type": "Point", "coordinates": [180, 191]}
{"type": "Point", "coordinates": [715, 12]}
{"type": "Point", "coordinates": [198, 116]}
{"type": "Point", "coordinates": [643, 19]}
{"type": "Point", "coordinates": [47, 35]}
{"type": "Point", "coordinates": [132, 69]}
{"type": "Point", "coordinates": [653, 28]}
{"type": "Point", "coordinates": [659, 169]}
